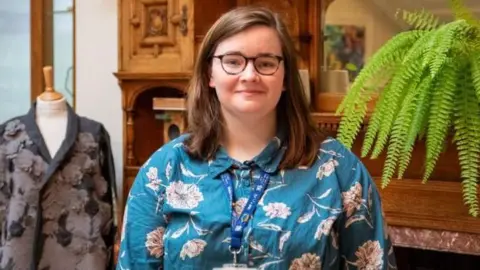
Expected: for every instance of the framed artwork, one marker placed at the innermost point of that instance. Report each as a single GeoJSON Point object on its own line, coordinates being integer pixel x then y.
{"type": "Point", "coordinates": [345, 48]}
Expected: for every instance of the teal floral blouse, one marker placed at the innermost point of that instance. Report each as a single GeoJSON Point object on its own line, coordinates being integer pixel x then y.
{"type": "Point", "coordinates": [328, 216]}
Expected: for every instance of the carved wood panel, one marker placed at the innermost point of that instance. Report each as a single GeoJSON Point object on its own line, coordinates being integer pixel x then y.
{"type": "Point", "coordinates": [156, 36]}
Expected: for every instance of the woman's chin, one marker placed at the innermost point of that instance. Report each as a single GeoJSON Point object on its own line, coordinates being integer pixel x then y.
{"type": "Point", "coordinates": [251, 109]}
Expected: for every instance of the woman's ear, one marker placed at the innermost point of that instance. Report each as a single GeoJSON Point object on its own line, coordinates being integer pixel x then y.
{"type": "Point", "coordinates": [211, 81]}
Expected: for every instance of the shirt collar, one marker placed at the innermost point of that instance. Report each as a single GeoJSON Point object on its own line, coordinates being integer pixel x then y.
{"type": "Point", "coordinates": [268, 160]}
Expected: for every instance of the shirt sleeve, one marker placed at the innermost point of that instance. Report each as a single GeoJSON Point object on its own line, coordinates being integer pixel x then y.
{"type": "Point", "coordinates": [141, 244]}
{"type": "Point", "coordinates": [363, 236]}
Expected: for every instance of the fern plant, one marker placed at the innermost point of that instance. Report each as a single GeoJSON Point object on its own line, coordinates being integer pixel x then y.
{"type": "Point", "coordinates": [430, 86]}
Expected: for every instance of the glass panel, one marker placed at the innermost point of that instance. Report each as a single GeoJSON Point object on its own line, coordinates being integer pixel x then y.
{"type": "Point", "coordinates": [63, 48]}
{"type": "Point", "coordinates": [14, 58]}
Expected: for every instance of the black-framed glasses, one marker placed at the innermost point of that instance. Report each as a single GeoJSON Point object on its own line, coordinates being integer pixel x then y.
{"type": "Point", "coordinates": [234, 64]}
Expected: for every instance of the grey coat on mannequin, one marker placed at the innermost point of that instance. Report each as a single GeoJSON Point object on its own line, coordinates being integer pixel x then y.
{"type": "Point", "coordinates": [57, 192]}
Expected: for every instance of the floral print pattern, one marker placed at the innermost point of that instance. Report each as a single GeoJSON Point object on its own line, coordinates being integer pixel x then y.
{"type": "Point", "coordinates": [370, 255]}
{"type": "Point", "coordinates": [277, 210]}
{"type": "Point", "coordinates": [183, 196]}
{"type": "Point", "coordinates": [154, 242]}
{"type": "Point", "coordinates": [73, 190]}
{"type": "Point", "coordinates": [319, 217]}
{"type": "Point", "coordinates": [192, 248]}
{"type": "Point", "coordinates": [308, 261]}
{"type": "Point", "coordinates": [352, 199]}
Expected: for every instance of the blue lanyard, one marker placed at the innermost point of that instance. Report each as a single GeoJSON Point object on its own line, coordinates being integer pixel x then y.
{"type": "Point", "coordinates": [239, 223]}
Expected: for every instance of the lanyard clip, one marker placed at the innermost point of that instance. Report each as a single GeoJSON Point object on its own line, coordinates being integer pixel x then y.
{"type": "Point", "coordinates": [235, 252]}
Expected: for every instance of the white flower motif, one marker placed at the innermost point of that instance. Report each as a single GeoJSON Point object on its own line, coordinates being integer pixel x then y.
{"type": "Point", "coordinates": [154, 181]}
{"type": "Point", "coordinates": [308, 261]}
{"type": "Point", "coordinates": [192, 248]}
{"type": "Point", "coordinates": [152, 174]}
{"type": "Point", "coordinates": [154, 243]}
{"type": "Point", "coordinates": [168, 171]}
{"type": "Point", "coordinates": [369, 256]}
{"type": "Point", "coordinates": [324, 227]}
{"type": "Point", "coordinates": [183, 196]}
{"type": "Point", "coordinates": [326, 169]}
{"type": "Point", "coordinates": [274, 210]}
{"type": "Point", "coordinates": [352, 199]}
{"type": "Point", "coordinates": [239, 205]}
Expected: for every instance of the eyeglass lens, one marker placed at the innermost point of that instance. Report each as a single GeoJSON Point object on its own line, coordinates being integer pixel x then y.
{"type": "Point", "coordinates": [235, 64]}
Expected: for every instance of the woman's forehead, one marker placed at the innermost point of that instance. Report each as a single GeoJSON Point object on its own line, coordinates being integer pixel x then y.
{"type": "Point", "coordinates": [252, 41]}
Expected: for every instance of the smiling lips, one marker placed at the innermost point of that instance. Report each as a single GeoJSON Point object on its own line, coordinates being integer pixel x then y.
{"type": "Point", "coordinates": [250, 92]}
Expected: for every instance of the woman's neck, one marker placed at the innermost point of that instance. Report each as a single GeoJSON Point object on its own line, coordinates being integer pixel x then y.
{"type": "Point", "coordinates": [246, 138]}
{"type": "Point", "coordinates": [51, 108]}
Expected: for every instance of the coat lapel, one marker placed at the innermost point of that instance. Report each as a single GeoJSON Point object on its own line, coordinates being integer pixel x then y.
{"type": "Point", "coordinates": [35, 135]}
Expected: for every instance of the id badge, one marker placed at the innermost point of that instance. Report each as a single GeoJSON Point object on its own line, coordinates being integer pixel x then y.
{"type": "Point", "coordinates": [231, 266]}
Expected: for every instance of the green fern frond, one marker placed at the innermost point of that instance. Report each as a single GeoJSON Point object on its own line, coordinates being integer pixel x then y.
{"type": "Point", "coordinates": [420, 20]}
{"type": "Point", "coordinates": [440, 115]}
{"type": "Point", "coordinates": [401, 126]}
{"type": "Point", "coordinates": [467, 137]}
{"type": "Point", "coordinates": [419, 118]}
{"type": "Point", "coordinates": [353, 105]}
{"type": "Point", "coordinates": [387, 56]}
{"type": "Point", "coordinates": [375, 121]}
{"type": "Point", "coordinates": [475, 63]}
{"type": "Point", "coordinates": [445, 37]}
{"type": "Point", "coordinates": [461, 12]}
{"type": "Point", "coordinates": [431, 83]}
{"type": "Point", "coordinates": [353, 117]}
{"type": "Point", "coordinates": [408, 74]}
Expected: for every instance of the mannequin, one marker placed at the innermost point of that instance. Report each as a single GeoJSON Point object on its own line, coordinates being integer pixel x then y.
{"type": "Point", "coordinates": [58, 174]}
{"type": "Point", "coordinates": [51, 115]}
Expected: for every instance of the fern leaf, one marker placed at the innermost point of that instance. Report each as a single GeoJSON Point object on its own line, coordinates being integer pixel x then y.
{"type": "Point", "coordinates": [446, 36]}
{"type": "Point", "coordinates": [388, 55]}
{"type": "Point", "coordinates": [421, 20]}
{"type": "Point", "coordinates": [461, 12]}
{"type": "Point", "coordinates": [354, 104]}
{"type": "Point", "coordinates": [475, 63]}
{"type": "Point", "coordinates": [401, 127]}
{"type": "Point", "coordinates": [375, 121]}
{"type": "Point", "coordinates": [440, 115]}
{"type": "Point", "coordinates": [408, 73]}
{"type": "Point", "coordinates": [419, 120]}
{"type": "Point", "coordinates": [467, 138]}
{"type": "Point", "coordinates": [351, 122]}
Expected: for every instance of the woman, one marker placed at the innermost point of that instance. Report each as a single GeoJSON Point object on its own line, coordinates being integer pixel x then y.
{"type": "Point", "coordinates": [252, 152]}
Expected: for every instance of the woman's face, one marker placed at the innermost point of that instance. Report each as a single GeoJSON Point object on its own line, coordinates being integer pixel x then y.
{"type": "Point", "coordinates": [240, 85]}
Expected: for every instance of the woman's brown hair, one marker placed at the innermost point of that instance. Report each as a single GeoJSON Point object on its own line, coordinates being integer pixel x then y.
{"type": "Point", "coordinates": [205, 122]}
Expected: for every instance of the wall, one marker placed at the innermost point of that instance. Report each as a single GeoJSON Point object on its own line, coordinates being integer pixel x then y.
{"type": "Point", "coordinates": [97, 92]}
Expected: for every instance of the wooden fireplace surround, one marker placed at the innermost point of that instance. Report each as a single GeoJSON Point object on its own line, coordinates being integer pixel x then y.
{"type": "Point", "coordinates": [158, 41]}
